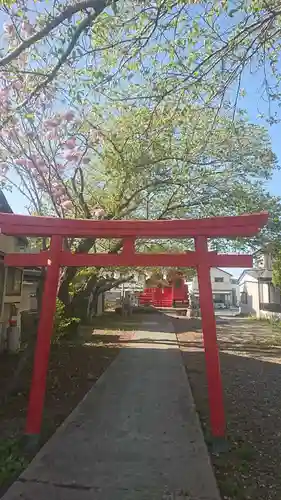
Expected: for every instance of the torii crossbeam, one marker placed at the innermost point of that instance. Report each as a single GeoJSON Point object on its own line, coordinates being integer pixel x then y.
{"type": "Point", "coordinates": [201, 229]}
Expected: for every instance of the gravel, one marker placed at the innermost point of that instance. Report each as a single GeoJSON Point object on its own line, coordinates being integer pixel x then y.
{"type": "Point", "coordinates": [250, 355]}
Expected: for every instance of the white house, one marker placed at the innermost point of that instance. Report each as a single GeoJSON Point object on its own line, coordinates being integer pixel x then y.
{"type": "Point", "coordinates": [224, 287]}
{"type": "Point", "coordinates": [258, 295]}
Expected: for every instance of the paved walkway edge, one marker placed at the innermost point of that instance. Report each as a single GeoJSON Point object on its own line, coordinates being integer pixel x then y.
{"type": "Point", "coordinates": [135, 435]}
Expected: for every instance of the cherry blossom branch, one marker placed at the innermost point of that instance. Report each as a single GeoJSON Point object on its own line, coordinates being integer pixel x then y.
{"type": "Point", "coordinates": [37, 142]}
{"type": "Point", "coordinates": [35, 201]}
{"type": "Point", "coordinates": [30, 157]}
{"type": "Point", "coordinates": [23, 193]}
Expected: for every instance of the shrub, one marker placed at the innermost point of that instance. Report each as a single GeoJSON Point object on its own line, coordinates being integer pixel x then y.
{"type": "Point", "coordinates": [64, 326]}
{"type": "Point", "coordinates": [12, 460]}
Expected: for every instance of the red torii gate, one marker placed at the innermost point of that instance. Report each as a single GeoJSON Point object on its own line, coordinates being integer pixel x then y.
{"type": "Point", "coordinates": [128, 231]}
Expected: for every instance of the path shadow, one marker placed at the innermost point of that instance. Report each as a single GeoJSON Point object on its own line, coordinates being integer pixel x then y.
{"type": "Point", "coordinates": [111, 321]}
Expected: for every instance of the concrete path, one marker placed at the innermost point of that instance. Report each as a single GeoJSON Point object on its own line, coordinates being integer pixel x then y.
{"type": "Point", "coordinates": [135, 436]}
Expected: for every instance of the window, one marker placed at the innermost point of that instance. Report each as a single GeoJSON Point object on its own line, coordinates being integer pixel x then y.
{"type": "Point", "coordinates": [14, 280]}
{"type": "Point", "coordinates": [218, 280]}
{"type": "Point", "coordinates": [244, 298]}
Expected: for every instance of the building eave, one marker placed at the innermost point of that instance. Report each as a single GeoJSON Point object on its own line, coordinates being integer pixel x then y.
{"type": "Point", "coordinates": [223, 271]}
{"type": "Point", "coordinates": [6, 209]}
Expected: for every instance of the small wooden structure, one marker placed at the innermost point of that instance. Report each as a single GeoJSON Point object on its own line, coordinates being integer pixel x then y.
{"type": "Point", "coordinates": [165, 293]}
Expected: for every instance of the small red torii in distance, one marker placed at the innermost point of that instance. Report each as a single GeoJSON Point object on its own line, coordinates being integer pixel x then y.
{"type": "Point", "coordinates": [129, 230]}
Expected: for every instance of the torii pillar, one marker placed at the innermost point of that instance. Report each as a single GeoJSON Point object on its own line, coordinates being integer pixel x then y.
{"type": "Point", "coordinates": [128, 230]}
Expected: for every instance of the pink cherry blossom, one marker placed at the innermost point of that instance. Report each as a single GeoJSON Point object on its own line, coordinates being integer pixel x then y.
{"type": "Point", "coordinates": [51, 136]}
{"type": "Point", "coordinates": [4, 106]}
{"type": "Point", "coordinates": [70, 143]}
{"type": "Point", "coordinates": [98, 212]}
{"type": "Point", "coordinates": [27, 28]}
{"type": "Point", "coordinates": [72, 156]}
{"type": "Point", "coordinates": [33, 161]}
{"type": "Point", "coordinates": [12, 133]}
{"type": "Point", "coordinates": [4, 167]}
{"type": "Point", "coordinates": [64, 198]}
{"type": "Point", "coordinates": [67, 204]}
{"type": "Point", "coordinates": [17, 84]}
{"type": "Point", "coordinates": [69, 115]}
{"type": "Point", "coordinates": [56, 196]}
{"type": "Point", "coordinates": [68, 155]}
{"type": "Point", "coordinates": [41, 163]}
{"type": "Point", "coordinates": [58, 190]}
{"type": "Point", "coordinates": [4, 91]}
{"type": "Point", "coordinates": [4, 97]}
{"type": "Point", "coordinates": [51, 123]}
{"type": "Point", "coordinates": [23, 57]}
{"type": "Point", "coordinates": [21, 161]}
{"type": "Point", "coordinates": [43, 168]}
{"type": "Point", "coordinates": [9, 28]}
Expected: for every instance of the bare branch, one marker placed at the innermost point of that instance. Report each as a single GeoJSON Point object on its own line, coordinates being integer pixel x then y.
{"type": "Point", "coordinates": [81, 27]}
{"type": "Point", "coordinates": [68, 12]}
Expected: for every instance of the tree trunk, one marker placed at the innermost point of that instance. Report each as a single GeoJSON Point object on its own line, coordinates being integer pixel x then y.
{"type": "Point", "coordinates": [78, 306]}
{"type": "Point", "coordinates": [70, 272]}
{"type": "Point", "coordinates": [68, 276]}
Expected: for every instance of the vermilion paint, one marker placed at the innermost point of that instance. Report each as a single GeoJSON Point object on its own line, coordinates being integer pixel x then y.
{"type": "Point", "coordinates": [215, 389]}
{"type": "Point", "coordinates": [128, 231]}
{"type": "Point", "coordinates": [42, 349]}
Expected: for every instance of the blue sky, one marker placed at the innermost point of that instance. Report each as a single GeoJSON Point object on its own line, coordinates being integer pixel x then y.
{"type": "Point", "coordinates": [252, 103]}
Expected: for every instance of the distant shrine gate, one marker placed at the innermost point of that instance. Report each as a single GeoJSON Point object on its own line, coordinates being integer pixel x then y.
{"type": "Point", "coordinates": [128, 230]}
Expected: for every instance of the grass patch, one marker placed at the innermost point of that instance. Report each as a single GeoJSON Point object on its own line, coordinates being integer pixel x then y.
{"type": "Point", "coordinates": [273, 321]}
{"type": "Point", "coordinates": [110, 321]}
{"type": "Point", "coordinates": [12, 460]}
{"type": "Point", "coordinates": [74, 366]}
{"type": "Point", "coordinates": [245, 453]}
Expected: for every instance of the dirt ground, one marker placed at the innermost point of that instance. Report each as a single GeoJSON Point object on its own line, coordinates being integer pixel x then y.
{"type": "Point", "coordinates": [74, 367]}
{"type": "Point", "coordinates": [251, 371]}
{"type": "Point", "coordinates": [250, 354]}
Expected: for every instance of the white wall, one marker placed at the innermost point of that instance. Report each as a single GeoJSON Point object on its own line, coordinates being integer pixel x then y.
{"type": "Point", "coordinates": [225, 286]}
{"type": "Point", "coordinates": [270, 315]}
{"type": "Point", "coordinates": [28, 301]}
{"type": "Point", "coordinates": [263, 260]}
{"type": "Point", "coordinates": [250, 287]}
{"type": "Point", "coordinates": [264, 292]}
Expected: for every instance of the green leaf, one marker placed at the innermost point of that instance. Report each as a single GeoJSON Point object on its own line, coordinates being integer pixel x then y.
{"type": "Point", "coordinates": [29, 116]}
